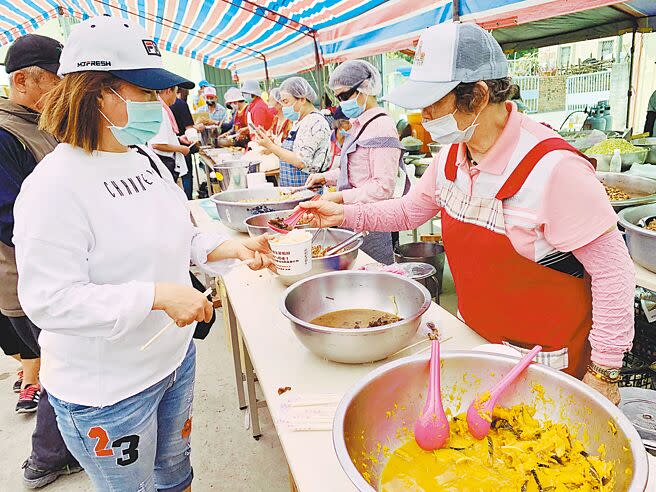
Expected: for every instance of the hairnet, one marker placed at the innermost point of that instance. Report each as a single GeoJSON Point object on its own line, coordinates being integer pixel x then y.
{"type": "Point", "coordinates": [299, 88]}
{"type": "Point", "coordinates": [274, 95]}
{"type": "Point", "coordinates": [353, 72]}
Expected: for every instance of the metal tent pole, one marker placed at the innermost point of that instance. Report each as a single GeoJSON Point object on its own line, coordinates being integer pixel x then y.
{"type": "Point", "coordinates": [456, 10]}
{"type": "Point", "coordinates": [317, 61]}
{"type": "Point", "coordinates": [267, 81]}
{"type": "Point", "coordinates": [629, 94]}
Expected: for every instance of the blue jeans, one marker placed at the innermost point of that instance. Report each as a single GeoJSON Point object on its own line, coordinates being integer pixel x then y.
{"type": "Point", "coordinates": [140, 444]}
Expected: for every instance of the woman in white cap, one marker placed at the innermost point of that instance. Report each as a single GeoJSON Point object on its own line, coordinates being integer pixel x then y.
{"type": "Point", "coordinates": [238, 132]}
{"type": "Point", "coordinates": [371, 154]}
{"type": "Point", "coordinates": [259, 113]}
{"type": "Point", "coordinates": [307, 147]}
{"type": "Point", "coordinates": [105, 265]}
{"type": "Point", "coordinates": [529, 234]}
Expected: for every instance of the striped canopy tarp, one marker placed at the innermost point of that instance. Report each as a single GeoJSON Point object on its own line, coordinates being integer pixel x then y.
{"type": "Point", "coordinates": [258, 38]}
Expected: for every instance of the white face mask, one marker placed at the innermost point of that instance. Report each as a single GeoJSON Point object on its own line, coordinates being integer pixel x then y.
{"type": "Point", "coordinates": [445, 130]}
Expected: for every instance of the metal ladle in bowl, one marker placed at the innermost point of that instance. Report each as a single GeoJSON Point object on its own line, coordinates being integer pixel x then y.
{"type": "Point", "coordinates": [645, 220]}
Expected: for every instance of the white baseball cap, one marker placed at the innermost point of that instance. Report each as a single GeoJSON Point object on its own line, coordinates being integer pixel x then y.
{"type": "Point", "coordinates": [447, 55]}
{"type": "Point", "coordinates": [209, 91]}
{"type": "Point", "coordinates": [233, 95]}
{"type": "Point", "coordinates": [121, 47]}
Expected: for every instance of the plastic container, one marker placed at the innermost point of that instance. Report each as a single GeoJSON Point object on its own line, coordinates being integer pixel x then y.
{"type": "Point", "coordinates": [616, 162]}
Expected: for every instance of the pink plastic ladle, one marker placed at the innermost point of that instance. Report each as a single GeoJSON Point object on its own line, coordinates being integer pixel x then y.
{"type": "Point", "coordinates": [432, 427]}
{"type": "Point", "coordinates": [293, 219]}
{"type": "Point", "coordinates": [479, 414]}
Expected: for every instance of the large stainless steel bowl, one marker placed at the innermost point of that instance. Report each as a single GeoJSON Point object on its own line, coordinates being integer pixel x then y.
{"type": "Point", "coordinates": [320, 294]}
{"type": "Point", "coordinates": [235, 206]}
{"type": "Point", "coordinates": [640, 241]}
{"type": "Point", "coordinates": [642, 190]}
{"type": "Point", "coordinates": [343, 260]}
{"type": "Point", "coordinates": [650, 145]}
{"type": "Point", "coordinates": [259, 224]}
{"type": "Point", "coordinates": [362, 422]}
{"type": "Point", "coordinates": [628, 159]}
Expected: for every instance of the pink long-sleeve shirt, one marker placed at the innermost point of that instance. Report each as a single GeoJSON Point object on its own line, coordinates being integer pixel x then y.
{"type": "Point", "coordinates": [372, 172]}
{"type": "Point", "coordinates": [563, 208]}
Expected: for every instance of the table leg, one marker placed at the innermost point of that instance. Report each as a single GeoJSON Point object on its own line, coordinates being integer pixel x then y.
{"type": "Point", "coordinates": [252, 396]}
{"type": "Point", "coordinates": [234, 342]}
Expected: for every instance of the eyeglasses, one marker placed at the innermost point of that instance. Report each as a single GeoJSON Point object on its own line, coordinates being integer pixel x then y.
{"type": "Point", "coordinates": [346, 95]}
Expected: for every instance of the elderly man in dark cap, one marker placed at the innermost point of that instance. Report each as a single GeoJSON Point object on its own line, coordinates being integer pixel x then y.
{"type": "Point", "coordinates": [32, 63]}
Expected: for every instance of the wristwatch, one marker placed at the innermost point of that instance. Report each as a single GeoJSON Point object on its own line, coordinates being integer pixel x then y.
{"type": "Point", "coordinates": [608, 375]}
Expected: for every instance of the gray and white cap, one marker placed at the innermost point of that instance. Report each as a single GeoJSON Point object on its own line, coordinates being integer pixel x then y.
{"type": "Point", "coordinates": [446, 55]}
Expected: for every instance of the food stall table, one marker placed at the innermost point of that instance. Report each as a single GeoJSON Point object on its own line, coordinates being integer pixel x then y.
{"type": "Point", "coordinates": [645, 278]}
{"type": "Point", "coordinates": [280, 360]}
{"type": "Point", "coordinates": [271, 350]}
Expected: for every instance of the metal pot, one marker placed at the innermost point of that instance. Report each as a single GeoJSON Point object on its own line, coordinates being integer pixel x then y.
{"type": "Point", "coordinates": [423, 252]}
{"type": "Point", "coordinates": [639, 406]}
{"type": "Point", "coordinates": [231, 174]}
{"type": "Point", "coordinates": [650, 145]}
{"type": "Point", "coordinates": [363, 422]}
{"type": "Point", "coordinates": [320, 294]}
{"type": "Point", "coordinates": [234, 210]}
{"type": "Point", "coordinates": [640, 241]}
{"type": "Point", "coordinates": [434, 148]}
{"type": "Point", "coordinates": [343, 260]}
{"type": "Point", "coordinates": [644, 189]}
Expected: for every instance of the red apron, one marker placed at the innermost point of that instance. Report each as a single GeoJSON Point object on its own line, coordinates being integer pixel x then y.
{"type": "Point", "coordinates": [507, 298]}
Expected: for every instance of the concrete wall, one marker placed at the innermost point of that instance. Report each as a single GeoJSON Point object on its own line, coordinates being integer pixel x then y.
{"type": "Point", "coordinates": [552, 94]}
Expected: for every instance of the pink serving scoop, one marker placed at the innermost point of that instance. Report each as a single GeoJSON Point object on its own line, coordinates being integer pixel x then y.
{"type": "Point", "coordinates": [432, 427]}
{"type": "Point", "coordinates": [293, 219]}
{"type": "Point", "coordinates": [479, 414]}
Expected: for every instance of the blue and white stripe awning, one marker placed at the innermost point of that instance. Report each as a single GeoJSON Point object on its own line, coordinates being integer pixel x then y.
{"type": "Point", "coordinates": [241, 34]}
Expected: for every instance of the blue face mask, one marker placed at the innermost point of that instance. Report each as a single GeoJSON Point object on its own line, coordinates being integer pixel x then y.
{"type": "Point", "coordinates": [290, 113]}
{"type": "Point", "coordinates": [248, 98]}
{"type": "Point", "coordinates": [343, 132]}
{"type": "Point", "coordinates": [351, 108]}
{"type": "Point", "coordinates": [144, 121]}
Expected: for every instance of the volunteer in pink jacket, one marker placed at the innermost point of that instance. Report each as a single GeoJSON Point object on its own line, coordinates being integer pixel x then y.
{"type": "Point", "coordinates": [529, 233]}
{"type": "Point", "coordinates": [104, 265]}
{"type": "Point", "coordinates": [371, 154]}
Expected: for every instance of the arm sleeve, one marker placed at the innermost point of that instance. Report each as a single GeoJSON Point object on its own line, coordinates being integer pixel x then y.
{"type": "Point", "coordinates": [575, 209]}
{"type": "Point", "coordinates": [608, 263]}
{"type": "Point", "coordinates": [402, 214]}
{"type": "Point", "coordinates": [202, 244]}
{"type": "Point", "coordinates": [312, 141]}
{"type": "Point", "coordinates": [383, 169]}
{"type": "Point", "coordinates": [16, 162]}
{"type": "Point", "coordinates": [54, 288]}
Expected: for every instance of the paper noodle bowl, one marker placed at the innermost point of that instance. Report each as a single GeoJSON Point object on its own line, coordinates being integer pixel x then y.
{"type": "Point", "coordinates": [292, 253]}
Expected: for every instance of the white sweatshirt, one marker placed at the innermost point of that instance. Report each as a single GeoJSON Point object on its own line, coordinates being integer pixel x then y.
{"type": "Point", "coordinates": [93, 233]}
